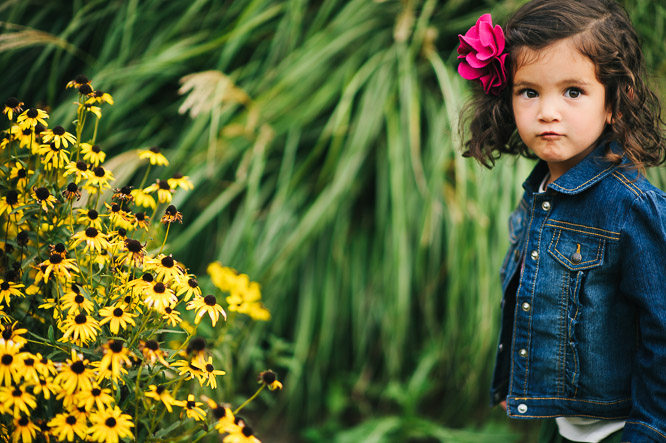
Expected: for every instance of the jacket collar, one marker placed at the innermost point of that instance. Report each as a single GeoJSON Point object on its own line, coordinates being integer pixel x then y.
{"type": "Point", "coordinates": [592, 169]}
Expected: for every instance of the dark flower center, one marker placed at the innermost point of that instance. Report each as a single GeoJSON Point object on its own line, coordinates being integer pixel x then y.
{"type": "Point", "coordinates": [81, 166]}
{"type": "Point", "coordinates": [59, 130]}
{"type": "Point", "coordinates": [60, 248]}
{"type": "Point", "coordinates": [152, 345]}
{"type": "Point", "coordinates": [12, 197]}
{"type": "Point", "coordinates": [99, 172]}
{"type": "Point", "coordinates": [42, 193]}
{"type": "Point", "coordinates": [193, 283]}
{"type": "Point", "coordinates": [23, 421]}
{"type": "Point", "coordinates": [167, 262]}
{"type": "Point", "coordinates": [128, 299]}
{"type": "Point", "coordinates": [96, 149]}
{"type": "Point", "coordinates": [191, 404]}
{"type": "Point", "coordinates": [80, 319]}
{"type": "Point", "coordinates": [92, 214]}
{"type": "Point", "coordinates": [159, 288]}
{"type": "Point", "coordinates": [32, 113]}
{"type": "Point", "coordinates": [210, 300]}
{"type": "Point", "coordinates": [164, 185]}
{"type": "Point", "coordinates": [22, 238]}
{"type": "Point", "coordinates": [78, 299]}
{"type": "Point", "coordinates": [247, 431]}
{"type": "Point", "coordinates": [6, 334]}
{"type": "Point", "coordinates": [81, 79]}
{"type": "Point", "coordinates": [55, 259]}
{"type": "Point", "coordinates": [39, 128]}
{"type": "Point", "coordinates": [159, 389]}
{"type": "Point", "coordinates": [171, 210]}
{"type": "Point", "coordinates": [4, 286]}
{"type": "Point", "coordinates": [71, 420]}
{"type": "Point", "coordinates": [155, 149]}
{"type": "Point", "coordinates": [177, 175]}
{"type": "Point", "coordinates": [53, 147]}
{"type": "Point", "coordinates": [209, 368]}
{"type": "Point", "coordinates": [22, 173]}
{"type": "Point", "coordinates": [72, 187]}
{"type": "Point", "coordinates": [12, 102]}
{"type": "Point", "coordinates": [197, 344]}
{"type": "Point", "coordinates": [147, 277]}
{"type": "Point", "coordinates": [168, 310]}
{"type": "Point", "coordinates": [268, 377]}
{"type": "Point", "coordinates": [127, 190]}
{"type": "Point", "coordinates": [27, 131]}
{"type": "Point", "coordinates": [115, 207]}
{"type": "Point", "coordinates": [78, 367]}
{"type": "Point", "coordinates": [133, 246]}
{"type": "Point", "coordinates": [17, 392]}
{"type": "Point", "coordinates": [91, 232]}
{"type": "Point", "coordinates": [140, 216]}
{"type": "Point", "coordinates": [118, 312]}
{"type": "Point", "coordinates": [96, 391]}
{"type": "Point", "coordinates": [75, 288]}
{"type": "Point", "coordinates": [122, 232]}
{"type": "Point", "coordinates": [219, 412]}
{"type": "Point", "coordinates": [29, 361]}
{"type": "Point", "coordinates": [110, 422]}
{"type": "Point", "coordinates": [116, 346]}
{"type": "Point", "coordinates": [7, 359]}
{"type": "Point", "coordinates": [85, 89]}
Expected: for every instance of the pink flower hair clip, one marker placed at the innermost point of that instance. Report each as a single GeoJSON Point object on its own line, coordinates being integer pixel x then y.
{"type": "Point", "coordinates": [482, 56]}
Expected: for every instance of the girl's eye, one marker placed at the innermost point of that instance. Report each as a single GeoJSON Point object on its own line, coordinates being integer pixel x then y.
{"type": "Point", "coordinates": [528, 93]}
{"type": "Point", "coordinates": [573, 93]}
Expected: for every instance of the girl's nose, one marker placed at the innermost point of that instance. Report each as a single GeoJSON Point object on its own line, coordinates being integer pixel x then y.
{"type": "Point", "coordinates": [548, 110]}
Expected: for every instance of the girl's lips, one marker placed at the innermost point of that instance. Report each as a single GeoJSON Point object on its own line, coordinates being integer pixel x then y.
{"type": "Point", "coordinates": [550, 135]}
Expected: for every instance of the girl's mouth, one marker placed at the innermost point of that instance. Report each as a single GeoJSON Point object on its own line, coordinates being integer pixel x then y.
{"type": "Point", "coordinates": [549, 134]}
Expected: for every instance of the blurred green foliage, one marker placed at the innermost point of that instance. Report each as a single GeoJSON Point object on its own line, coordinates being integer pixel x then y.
{"type": "Point", "coordinates": [326, 161]}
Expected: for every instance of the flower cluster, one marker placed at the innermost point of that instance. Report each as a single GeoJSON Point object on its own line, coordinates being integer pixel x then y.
{"type": "Point", "coordinates": [482, 55]}
{"type": "Point", "coordinates": [91, 308]}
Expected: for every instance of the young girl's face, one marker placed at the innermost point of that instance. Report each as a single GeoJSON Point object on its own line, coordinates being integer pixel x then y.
{"type": "Point", "coordinates": [558, 104]}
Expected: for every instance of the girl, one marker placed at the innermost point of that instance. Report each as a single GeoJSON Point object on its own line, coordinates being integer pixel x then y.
{"type": "Point", "coordinates": [583, 334]}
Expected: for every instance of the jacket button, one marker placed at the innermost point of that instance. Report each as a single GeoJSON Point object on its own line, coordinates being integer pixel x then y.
{"type": "Point", "coordinates": [500, 347]}
{"type": "Point", "coordinates": [516, 255]}
{"type": "Point", "coordinates": [523, 353]}
{"type": "Point", "coordinates": [522, 408]}
{"type": "Point", "coordinates": [545, 205]}
{"type": "Point", "coordinates": [576, 257]}
{"type": "Point", "coordinates": [534, 255]}
{"type": "Point", "coordinates": [526, 307]}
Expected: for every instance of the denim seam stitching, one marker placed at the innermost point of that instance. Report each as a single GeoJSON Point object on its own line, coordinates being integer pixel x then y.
{"type": "Point", "coordinates": [562, 373]}
{"type": "Point", "coordinates": [575, 399]}
{"type": "Point", "coordinates": [621, 178]}
{"type": "Point", "coordinates": [619, 417]}
{"type": "Point", "coordinates": [647, 426]}
{"type": "Point", "coordinates": [529, 322]}
{"type": "Point", "coordinates": [583, 232]}
{"type": "Point", "coordinates": [584, 183]}
{"type": "Point", "coordinates": [583, 226]}
{"type": "Point", "coordinates": [629, 182]}
{"type": "Point", "coordinates": [575, 352]}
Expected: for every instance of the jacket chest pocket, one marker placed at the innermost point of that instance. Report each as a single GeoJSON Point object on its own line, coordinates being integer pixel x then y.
{"type": "Point", "coordinates": [579, 250]}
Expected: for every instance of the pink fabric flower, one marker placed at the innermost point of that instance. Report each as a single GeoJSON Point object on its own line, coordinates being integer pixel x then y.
{"type": "Point", "coordinates": [481, 55]}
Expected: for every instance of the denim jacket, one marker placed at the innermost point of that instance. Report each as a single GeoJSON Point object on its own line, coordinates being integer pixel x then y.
{"type": "Point", "coordinates": [583, 328]}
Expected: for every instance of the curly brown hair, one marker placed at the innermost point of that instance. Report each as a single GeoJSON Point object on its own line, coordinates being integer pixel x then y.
{"type": "Point", "coordinates": [602, 31]}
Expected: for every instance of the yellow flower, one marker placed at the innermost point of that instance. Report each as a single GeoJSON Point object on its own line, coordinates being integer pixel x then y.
{"type": "Point", "coordinates": [143, 199]}
{"type": "Point", "coordinates": [60, 267]}
{"type": "Point", "coordinates": [154, 156]}
{"type": "Point", "coordinates": [64, 426]}
{"type": "Point", "coordinates": [21, 175]}
{"type": "Point", "coordinates": [79, 329]}
{"type": "Point", "coordinates": [10, 202]}
{"type": "Point", "coordinates": [89, 217]}
{"type": "Point", "coordinates": [180, 181]}
{"type": "Point", "coordinates": [208, 372]}
{"type": "Point", "coordinates": [59, 136]}
{"type": "Point", "coordinates": [24, 430]}
{"type": "Point", "coordinates": [100, 97]}
{"type": "Point", "coordinates": [12, 106]}
{"type": "Point", "coordinates": [158, 296]}
{"type": "Point", "coordinates": [98, 180]}
{"type": "Point", "coordinates": [94, 239]}
{"type": "Point", "coordinates": [116, 355]}
{"type": "Point", "coordinates": [89, 107]}
{"type": "Point", "coordinates": [151, 352]}
{"type": "Point", "coordinates": [75, 374]}
{"type": "Point", "coordinates": [171, 215]}
{"type": "Point", "coordinates": [53, 156]}
{"type": "Point", "coordinates": [188, 288]}
{"type": "Point", "coordinates": [110, 425]}
{"type": "Point", "coordinates": [26, 365]}
{"type": "Point", "coordinates": [30, 118]}
{"type": "Point", "coordinates": [171, 315]}
{"type": "Point", "coordinates": [8, 362]}
{"type": "Point", "coordinates": [46, 387]}
{"type": "Point", "coordinates": [72, 192]}
{"type": "Point", "coordinates": [92, 154]}
{"type": "Point", "coordinates": [226, 422]}
{"type": "Point", "coordinates": [117, 317]}
{"type": "Point", "coordinates": [79, 81]}
{"type": "Point", "coordinates": [188, 368]}
{"type": "Point", "coordinates": [13, 333]}
{"type": "Point", "coordinates": [100, 397]}
{"type": "Point", "coordinates": [192, 408]}
{"type": "Point", "coordinates": [206, 305]}
{"type": "Point", "coordinates": [166, 268]}
{"type": "Point", "coordinates": [269, 378]}
{"type": "Point", "coordinates": [44, 198]}
{"type": "Point", "coordinates": [16, 397]}
{"type": "Point", "coordinates": [79, 169]}
{"type": "Point", "coordinates": [141, 221]}
{"type": "Point", "coordinates": [164, 192]}
{"type": "Point", "coordinates": [74, 302]}
{"type": "Point", "coordinates": [160, 393]}
{"type": "Point", "coordinates": [244, 434]}
{"type": "Point", "coordinates": [8, 289]}
{"type": "Point", "coordinates": [133, 252]}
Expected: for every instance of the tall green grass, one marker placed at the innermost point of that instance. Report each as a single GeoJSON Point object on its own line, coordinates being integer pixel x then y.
{"type": "Point", "coordinates": [337, 184]}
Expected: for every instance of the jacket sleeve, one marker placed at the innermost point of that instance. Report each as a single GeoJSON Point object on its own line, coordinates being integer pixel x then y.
{"type": "Point", "coordinates": [643, 280]}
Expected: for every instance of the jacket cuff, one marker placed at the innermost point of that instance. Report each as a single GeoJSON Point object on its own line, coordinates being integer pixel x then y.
{"type": "Point", "coordinates": [639, 432]}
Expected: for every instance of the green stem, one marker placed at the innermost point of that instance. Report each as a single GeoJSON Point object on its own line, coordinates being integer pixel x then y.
{"type": "Point", "coordinates": [165, 237]}
{"type": "Point", "coordinates": [249, 399]}
{"type": "Point", "coordinates": [145, 176]}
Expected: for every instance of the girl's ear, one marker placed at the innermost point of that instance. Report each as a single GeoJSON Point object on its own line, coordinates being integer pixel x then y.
{"type": "Point", "coordinates": [609, 117]}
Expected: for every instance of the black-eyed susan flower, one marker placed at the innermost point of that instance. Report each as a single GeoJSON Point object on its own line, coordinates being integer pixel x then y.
{"type": "Point", "coordinates": [160, 393]}
{"type": "Point", "coordinates": [143, 199]}
{"type": "Point", "coordinates": [164, 192]}
{"type": "Point", "coordinates": [171, 315]}
{"type": "Point", "coordinates": [21, 175]}
{"type": "Point", "coordinates": [123, 194]}
{"type": "Point", "coordinates": [139, 285]}
{"type": "Point", "coordinates": [45, 366]}
{"type": "Point", "coordinates": [165, 268]}
{"type": "Point", "coordinates": [89, 107]}
{"type": "Point", "coordinates": [8, 363]}
{"type": "Point", "coordinates": [72, 192]}
{"type": "Point", "coordinates": [99, 180]}
{"type": "Point", "coordinates": [171, 214]}
{"type": "Point", "coordinates": [79, 329]}
{"type": "Point", "coordinates": [110, 425]}
{"type": "Point", "coordinates": [94, 239]}
{"type": "Point", "coordinates": [26, 366]}
{"type": "Point", "coordinates": [159, 296]}
{"type": "Point", "coordinates": [10, 201]}
{"type": "Point", "coordinates": [154, 156]}
{"type": "Point", "coordinates": [65, 425]}
{"type": "Point", "coordinates": [46, 388]}
{"type": "Point", "coordinates": [75, 374]}
{"type": "Point", "coordinates": [196, 348]}
{"type": "Point", "coordinates": [116, 357]}
{"type": "Point", "coordinates": [100, 97]}
{"type": "Point", "coordinates": [133, 252]}
{"type": "Point", "coordinates": [208, 372]}
{"type": "Point", "coordinates": [192, 408]}
{"type": "Point", "coordinates": [244, 434]}
{"type": "Point", "coordinates": [10, 289]}
{"type": "Point", "coordinates": [58, 136]}
{"type": "Point", "coordinates": [78, 81]}
{"type": "Point", "coordinates": [225, 420]}
{"type": "Point", "coordinates": [61, 268]}
{"type": "Point", "coordinates": [150, 349]}
{"type": "Point", "coordinates": [53, 156]}
{"type": "Point", "coordinates": [93, 154]}
{"type": "Point", "coordinates": [99, 397]}
{"type": "Point", "coordinates": [206, 305]}
{"type": "Point", "coordinates": [86, 90]}
{"type": "Point", "coordinates": [89, 217]}
{"type": "Point", "coordinates": [74, 302]}
{"type": "Point", "coordinates": [225, 278]}
{"type": "Point", "coordinates": [26, 138]}
{"type": "Point", "coordinates": [179, 180]}
{"type": "Point", "coordinates": [31, 117]}
{"type": "Point", "coordinates": [24, 430]}
{"type": "Point", "coordinates": [12, 106]}
{"type": "Point", "coordinates": [188, 288]}
{"type": "Point", "coordinates": [141, 220]}
{"type": "Point", "coordinates": [79, 170]}
{"type": "Point", "coordinates": [188, 369]}
{"type": "Point", "coordinates": [17, 400]}
{"type": "Point", "coordinates": [11, 332]}
{"type": "Point", "coordinates": [117, 316]}
{"type": "Point", "coordinates": [118, 218]}
{"type": "Point", "coordinates": [269, 378]}
{"type": "Point", "coordinates": [44, 198]}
